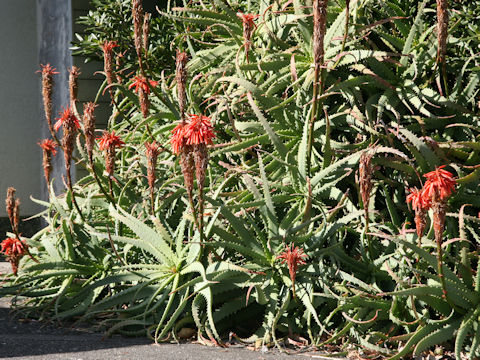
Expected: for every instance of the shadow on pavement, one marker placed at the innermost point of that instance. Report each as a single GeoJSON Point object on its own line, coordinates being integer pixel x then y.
{"type": "Point", "coordinates": [21, 338]}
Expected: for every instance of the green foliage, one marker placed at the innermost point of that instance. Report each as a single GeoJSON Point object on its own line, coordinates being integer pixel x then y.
{"type": "Point", "coordinates": [142, 273]}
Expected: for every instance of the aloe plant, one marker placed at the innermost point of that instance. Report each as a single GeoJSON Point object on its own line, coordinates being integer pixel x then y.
{"type": "Point", "coordinates": [139, 263]}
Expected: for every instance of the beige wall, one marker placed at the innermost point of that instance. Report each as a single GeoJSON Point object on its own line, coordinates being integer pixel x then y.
{"type": "Point", "coordinates": [20, 157]}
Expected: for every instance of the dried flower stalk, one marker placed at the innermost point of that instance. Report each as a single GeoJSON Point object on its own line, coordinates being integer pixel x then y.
{"type": "Point", "coordinates": [47, 72]}
{"type": "Point", "coordinates": [319, 30]}
{"type": "Point", "coordinates": [89, 128]}
{"type": "Point", "coordinates": [152, 152]}
{"type": "Point", "coordinates": [365, 172]}
{"type": "Point", "coordinates": [442, 30]}
{"type": "Point", "coordinates": [10, 207]}
{"type": "Point", "coordinates": [146, 31]}
{"type": "Point", "coordinates": [181, 78]}
{"type": "Point", "coordinates": [74, 73]}
{"type": "Point", "coordinates": [107, 48]}
{"type": "Point", "coordinates": [137, 14]}
{"type": "Point", "coordinates": [119, 63]}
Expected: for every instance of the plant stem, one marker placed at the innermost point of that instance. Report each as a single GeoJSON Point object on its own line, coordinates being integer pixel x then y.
{"type": "Point", "coordinates": [70, 187]}
{"type": "Point", "coordinates": [313, 118]}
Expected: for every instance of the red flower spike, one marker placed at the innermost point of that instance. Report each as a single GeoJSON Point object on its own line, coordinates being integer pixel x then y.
{"type": "Point", "coordinates": [49, 146]}
{"type": "Point", "coordinates": [109, 140]}
{"type": "Point", "coordinates": [293, 257]}
{"type": "Point", "coordinates": [178, 140]}
{"type": "Point", "coordinates": [67, 117]}
{"type": "Point", "coordinates": [439, 185]}
{"type": "Point", "coordinates": [140, 82]}
{"type": "Point", "coordinates": [13, 247]}
{"type": "Point", "coordinates": [418, 199]}
{"type": "Point", "coordinates": [199, 130]}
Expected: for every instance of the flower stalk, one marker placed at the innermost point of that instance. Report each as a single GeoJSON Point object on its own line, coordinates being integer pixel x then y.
{"type": "Point", "coordinates": [73, 75]}
{"type": "Point", "coordinates": [152, 152]}
{"type": "Point", "coordinates": [181, 79]}
{"type": "Point", "coordinates": [48, 149]}
{"type": "Point", "coordinates": [442, 34]}
{"type": "Point", "coordinates": [248, 29]}
{"type": "Point", "coordinates": [319, 30]}
{"type": "Point", "coordinates": [293, 256]}
{"type": "Point", "coordinates": [108, 143]}
{"type": "Point", "coordinates": [138, 22]}
{"type": "Point", "coordinates": [190, 141]}
{"type": "Point", "coordinates": [70, 124]}
{"type": "Point", "coordinates": [47, 72]}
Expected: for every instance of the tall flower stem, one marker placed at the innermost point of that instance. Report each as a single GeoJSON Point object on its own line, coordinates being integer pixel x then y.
{"type": "Point", "coordinates": [319, 29]}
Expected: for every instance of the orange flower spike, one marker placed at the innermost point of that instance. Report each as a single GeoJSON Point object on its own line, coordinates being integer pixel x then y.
{"type": "Point", "coordinates": [293, 257]}
{"type": "Point", "coordinates": [109, 140]}
{"type": "Point", "coordinates": [440, 184]}
{"type": "Point", "coordinates": [199, 130]}
{"type": "Point", "coordinates": [67, 117]}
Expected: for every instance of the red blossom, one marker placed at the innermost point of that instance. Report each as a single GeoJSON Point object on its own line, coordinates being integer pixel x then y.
{"type": "Point", "coordinates": [248, 18]}
{"type": "Point", "coordinates": [108, 46]}
{"type": "Point", "coordinates": [109, 140]}
{"type": "Point", "coordinates": [13, 247]}
{"type": "Point", "coordinates": [439, 185]}
{"type": "Point", "coordinates": [418, 198]}
{"type": "Point", "coordinates": [199, 130]}
{"type": "Point", "coordinates": [49, 146]}
{"type": "Point", "coordinates": [47, 70]}
{"type": "Point", "coordinates": [178, 140]}
{"type": "Point", "coordinates": [140, 82]}
{"type": "Point", "coordinates": [293, 257]}
{"type": "Point", "coordinates": [67, 117]}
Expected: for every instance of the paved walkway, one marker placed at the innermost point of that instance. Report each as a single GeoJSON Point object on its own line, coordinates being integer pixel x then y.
{"type": "Point", "coordinates": [20, 339]}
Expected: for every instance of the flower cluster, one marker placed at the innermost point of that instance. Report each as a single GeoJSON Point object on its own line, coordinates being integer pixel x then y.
{"type": "Point", "coordinates": [67, 119]}
{"type": "Point", "coordinates": [293, 257]}
{"type": "Point", "coordinates": [142, 84]}
{"type": "Point", "coordinates": [108, 142]}
{"type": "Point", "coordinates": [439, 186]}
{"type": "Point", "coordinates": [14, 249]}
{"type": "Point", "coordinates": [142, 88]}
{"type": "Point", "coordinates": [190, 140]}
{"type": "Point", "coordinates": [197, 131]}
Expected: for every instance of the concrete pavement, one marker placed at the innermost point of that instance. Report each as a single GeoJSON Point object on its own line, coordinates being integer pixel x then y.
{"type": "Point", "coordinates": [22, 339]}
